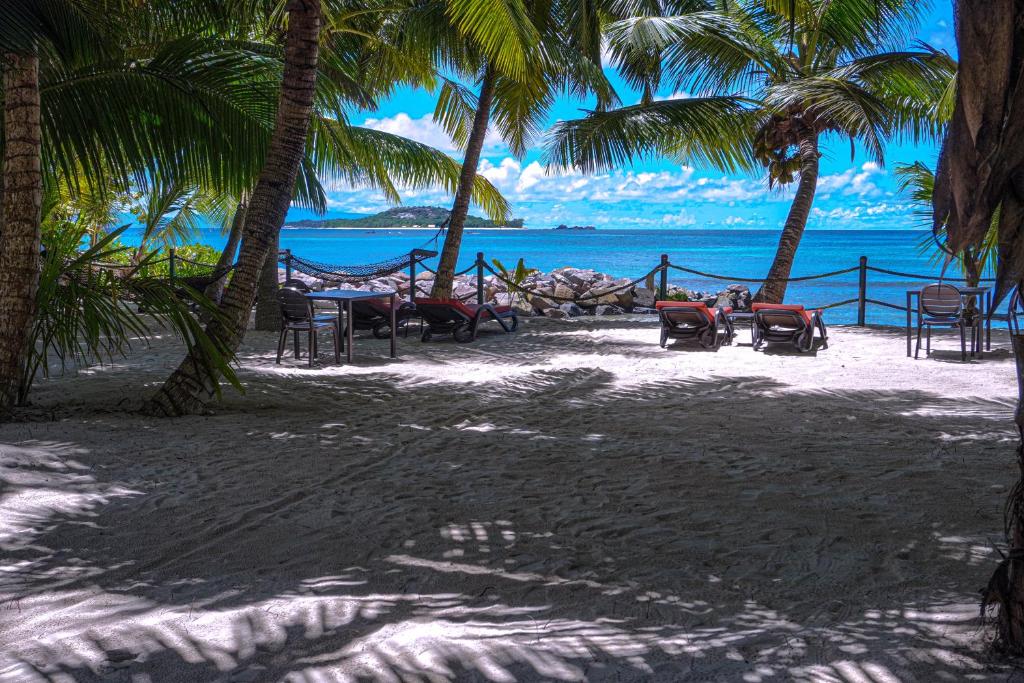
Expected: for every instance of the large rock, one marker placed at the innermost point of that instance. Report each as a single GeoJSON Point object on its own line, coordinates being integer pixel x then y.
{"type": "Point", "coordinates": [740, 295]}
{"type": "Point", "coordinates": [571, 309]}
{"type": "Point", "coordinates": [540, 304]}
{"type": "Point", "coordinates": [556, 313]}
{"type": "Point", "coordinates": [607, 310]}
{"type": "Point", "coordinates": [642, 296]}
{"type": "Point", "coordinates": [564, 291]}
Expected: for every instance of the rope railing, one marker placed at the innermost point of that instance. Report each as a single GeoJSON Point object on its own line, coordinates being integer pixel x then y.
{"type": "Point", "coordinates": [802, 278]}
{"type": "Point", "coordinates": [912, 276]}
{"type": "Point", "coordinates": [552, 297]}
{"type": "Point", "coordinates": [417, 257]}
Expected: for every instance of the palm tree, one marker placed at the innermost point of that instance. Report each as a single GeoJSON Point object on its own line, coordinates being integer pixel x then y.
{"type": "Point", "coordinates": [185, 389]}
{"type": "Point", "coordinates": [74, 108]}
{"type": "Point", "coordinates": [519, 53]}
{"type": "Point", "coordinates": [978, 181]}
{"type": "Point", "coordinates": [774, 79]}
{"type": "Point", "coordinates": [187, 97]}
{"type": "Point", "coordinates": [22, 213]}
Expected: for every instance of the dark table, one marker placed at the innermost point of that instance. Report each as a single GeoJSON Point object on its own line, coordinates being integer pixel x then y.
{"type": "Point", "coordinates": [344, 299]}
{"type": "Point", "coordinates": [984, 298]}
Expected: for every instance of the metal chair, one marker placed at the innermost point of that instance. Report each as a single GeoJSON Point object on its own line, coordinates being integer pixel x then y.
{"type": "Point", "coordinates": [294, 283]}
{"type": "Point", "coordinates": [297, 316]}
{"type": "Point", "coordinates": [941, 305]}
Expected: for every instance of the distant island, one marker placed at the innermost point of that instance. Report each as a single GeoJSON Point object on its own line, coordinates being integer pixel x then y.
{"type": "Point", "coordinates": [404, 217]}
{"type": "Point", "coordinates": [563, 226]}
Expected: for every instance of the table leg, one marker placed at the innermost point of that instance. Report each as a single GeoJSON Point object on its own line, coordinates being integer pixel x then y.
{"type": "Point", "coordinates": [908, 324]}
{"type": "Point", "coordinates": [394, 327]}
{"type": "Point", "coordinates": [341, 330]}
{"type": "Point", "coordinates": [980, 324]}
{"type": "Point", "coordinates": [988, 321]}
{"type": "Point", "coordinates": [348, 326]}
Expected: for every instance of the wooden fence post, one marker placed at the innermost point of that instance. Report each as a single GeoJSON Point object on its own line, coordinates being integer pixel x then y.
{"type": "Point", "coordinates": [287, 264]}
{"type": "Point", "coordinates": [480, 277]}
{"type": "Point", "coordinates": [663, 286]}
{"type": "Point", "coordinates": [862, 291]}
{"type": "Point", "coordinates": [170, 266]}
{"type": "Point", "coordinates": [412, 276]}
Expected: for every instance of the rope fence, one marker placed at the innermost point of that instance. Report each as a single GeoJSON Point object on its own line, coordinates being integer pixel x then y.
{"type": "Point", "coordinates": [415, 259]}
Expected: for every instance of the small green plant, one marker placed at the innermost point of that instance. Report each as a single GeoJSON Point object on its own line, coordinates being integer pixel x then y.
{"type": "Point", "coordinates": [678, 296]}
{"type": "Point", "coordinates": [514, 278]}
{"type": "Point", "coordinates": [89, 313]}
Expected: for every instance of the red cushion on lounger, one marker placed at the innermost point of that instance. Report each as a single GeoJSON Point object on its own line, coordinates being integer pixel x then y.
{"type": "Point", "coordinates": [785, 307]}
{"type": "Point", "coordinates": [468, 310]}
{"type": "Point", "coordinates": [698, 306]}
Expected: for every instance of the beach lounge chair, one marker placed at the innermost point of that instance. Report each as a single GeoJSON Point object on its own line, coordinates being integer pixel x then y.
{"type": "Point", "coordinates": [941, 305]}
{"type": "Point", "coordinates": [711, 327]}
{"type": "Point", "coordinates": [297, 316]}
{"type": "Point", "coordinates": [462, 321]}
{"type": "Point", "coordinates": [787, 323]}
{"type": "Point", "coordinates": [375, 315]}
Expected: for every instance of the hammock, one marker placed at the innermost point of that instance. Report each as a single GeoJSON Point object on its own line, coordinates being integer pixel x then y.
{"type": "Point", "coordinates": [334, 273]}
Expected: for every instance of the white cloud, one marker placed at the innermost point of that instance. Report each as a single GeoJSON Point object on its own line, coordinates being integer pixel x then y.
{"type": "Point", "coordinates": [425, 130]}
{"type": "Point", "coordinates": [852, 182]}
{"type": "Point", "coordinates": [681, 95]}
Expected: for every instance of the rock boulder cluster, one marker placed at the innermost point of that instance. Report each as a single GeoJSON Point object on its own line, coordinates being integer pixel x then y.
{"type": "Point", "coordinates": [562, 293]}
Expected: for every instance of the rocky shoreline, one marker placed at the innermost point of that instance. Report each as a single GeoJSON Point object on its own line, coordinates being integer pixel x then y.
{"type": "Point", "coordinates": [561, 293]}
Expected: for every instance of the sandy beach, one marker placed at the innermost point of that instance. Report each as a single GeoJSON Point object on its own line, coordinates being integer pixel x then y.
{"type": "Point", "coordinates": [568, 503]}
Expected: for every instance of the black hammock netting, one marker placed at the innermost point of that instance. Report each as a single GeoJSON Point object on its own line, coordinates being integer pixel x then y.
{"type": "Point", "coordinates": [330, 272]}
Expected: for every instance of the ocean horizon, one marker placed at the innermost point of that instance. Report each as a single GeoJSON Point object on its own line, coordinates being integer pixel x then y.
{"type": "Point", "coordinates": [733, 254]}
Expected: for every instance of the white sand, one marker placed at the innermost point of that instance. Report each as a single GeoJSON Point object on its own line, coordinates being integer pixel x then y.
{"type": "Point", "coordinates": [568, 503]}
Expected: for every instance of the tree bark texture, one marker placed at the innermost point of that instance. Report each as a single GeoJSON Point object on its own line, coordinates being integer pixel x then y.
{"type": "Point", "coordinates": [196, 379]}
{"type": "Point", "coordinates": [22, 214]}
{"type": "Point", "coordinates": [773, 290]}
{"type": "Point", "coordinates": [445, 278]}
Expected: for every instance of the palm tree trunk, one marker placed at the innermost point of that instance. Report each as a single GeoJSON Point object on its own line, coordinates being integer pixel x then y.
{"type": "Point", "coordinates": [445, 279]}
{"type": "Point", "coordinates": [227, 257]}
{"type": "Point", "coordinates": [1006, 587]}
{"type": "Point", "coordinates": [268, 314]}
{"type": "Point", "coordinates": [773, 291]}
{"type": "Point", "coordinates": [22, 215]}
{"type": "Point", "coordinates": [196, 380]}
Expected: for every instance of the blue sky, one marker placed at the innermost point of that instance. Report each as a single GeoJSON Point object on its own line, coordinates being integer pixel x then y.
{"type": "Point", "coordinates": [857, 194]}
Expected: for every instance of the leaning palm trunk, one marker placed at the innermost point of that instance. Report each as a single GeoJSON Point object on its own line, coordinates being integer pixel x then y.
{"type": "Point", "coordinates": [215, 290]}
{"type": "Point", "coordinates": [774, 288]}
{"type": "Point", "coordinates": [22, 215]}
{"type": "Point", "coordinates": [268, 315]}
{"type": "Point", "coordinates": [196, 380]}
{"type": "Point", "coordinates": [445, 278]}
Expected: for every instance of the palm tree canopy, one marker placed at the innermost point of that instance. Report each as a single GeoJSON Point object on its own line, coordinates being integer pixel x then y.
{"type": "Point", "coordinates": [536, 50]}
{"type": "Point", "coordinates": [765, 74]}
{"type": "Point", "coordinates": [187, 93]}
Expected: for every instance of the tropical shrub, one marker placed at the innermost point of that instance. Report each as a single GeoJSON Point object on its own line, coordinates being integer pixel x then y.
{"type": "Point", "coordinates": [89, 313]}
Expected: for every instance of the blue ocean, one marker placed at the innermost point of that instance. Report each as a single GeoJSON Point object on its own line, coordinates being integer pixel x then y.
{"type": "Point", "coordinates": [632, 253]}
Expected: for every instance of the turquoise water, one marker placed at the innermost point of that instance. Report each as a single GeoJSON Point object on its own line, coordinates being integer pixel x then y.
{"type": "Point", "coordinates": [631, 253]}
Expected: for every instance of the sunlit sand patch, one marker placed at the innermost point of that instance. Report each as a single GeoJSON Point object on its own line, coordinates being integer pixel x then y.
{"type": "Point", "coordinates": [568, 503]}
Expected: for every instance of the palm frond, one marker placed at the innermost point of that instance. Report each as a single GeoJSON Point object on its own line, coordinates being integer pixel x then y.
{"type": "Point", "coordinates": [712, 131]}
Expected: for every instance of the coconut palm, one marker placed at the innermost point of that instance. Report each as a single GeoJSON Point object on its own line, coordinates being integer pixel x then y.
{"type": "Point", "coordinates": [775, 81]}
{"type": "Point", "coordinates": [979, 180]}
{"type": "Point", "coordinates": [186, 100]}
{"type": "Point", "coordinates": [519, 54]}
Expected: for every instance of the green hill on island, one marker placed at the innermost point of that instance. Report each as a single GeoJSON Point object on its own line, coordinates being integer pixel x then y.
{"type": "Point", "coordinates": [403, 217]}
